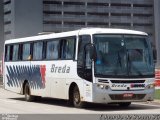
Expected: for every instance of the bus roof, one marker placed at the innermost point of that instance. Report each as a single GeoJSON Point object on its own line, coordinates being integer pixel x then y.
{"type": "Point", "coordinates": [83, 31]}
{"type": "Point", "coordinates": [110, 31]}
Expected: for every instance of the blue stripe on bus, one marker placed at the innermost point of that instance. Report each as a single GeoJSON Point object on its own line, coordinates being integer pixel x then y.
{"type": "Point", "coordinates": [17, 74]}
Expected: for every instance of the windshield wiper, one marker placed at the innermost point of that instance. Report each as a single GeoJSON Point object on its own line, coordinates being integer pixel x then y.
{"type": "Point", "coordinates": [128, 62]}
{"type": "Point", "coordinates": [118, 63]}
{"type": "Point", "coordinates": [119, 60]}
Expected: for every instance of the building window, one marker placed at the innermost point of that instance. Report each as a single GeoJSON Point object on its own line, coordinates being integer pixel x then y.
{"type": "Point", "coordinates": [7, 2]}
{"type": "Point", "coordinates": [52, 2]}
{"type": "Point", "coordinates": [7, 22]}
{"type": "Point", "coordinates": [7, 32]}
{"type": "Point", "coordinates": [7, 12]}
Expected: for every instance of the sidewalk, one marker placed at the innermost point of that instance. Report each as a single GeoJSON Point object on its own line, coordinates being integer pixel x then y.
{"type": "Point", "coordinates": [156, 101]}
{"type": "Point", "coordinates": [1, 82]}
{"type": "Point", "coordinates": [1, 86]}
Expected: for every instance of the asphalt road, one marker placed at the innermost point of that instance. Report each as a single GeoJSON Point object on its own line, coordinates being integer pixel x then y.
{"type": "Point", "coordinates": [13, 103]}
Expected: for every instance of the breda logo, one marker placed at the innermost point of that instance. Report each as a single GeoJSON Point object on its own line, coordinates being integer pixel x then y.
{"type": "Point", "coordinates": [119, 85]}
{"type": "Point", "coordinates": [60, 69]}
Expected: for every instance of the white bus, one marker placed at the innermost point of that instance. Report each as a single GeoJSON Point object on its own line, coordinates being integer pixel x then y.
{"type": "Point", "coordinates": [94, 65]}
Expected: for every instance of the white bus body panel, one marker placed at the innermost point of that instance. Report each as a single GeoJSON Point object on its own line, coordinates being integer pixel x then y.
{"type": "Point", "coordinates": [15, 75]}
{"type": "Point", "coordinates": [59, 75]}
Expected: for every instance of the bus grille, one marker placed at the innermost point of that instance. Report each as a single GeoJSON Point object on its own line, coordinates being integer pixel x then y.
{"type": "Point", "coordinates": [120, 97]}
{"type": "Point", "coordinates": [127, 81]}
{"type": "Point", "coordinates": [103, 81]}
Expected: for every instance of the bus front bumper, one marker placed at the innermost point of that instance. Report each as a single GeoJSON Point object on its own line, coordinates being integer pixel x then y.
{"type": "Point", "coordinates": [109, 96]}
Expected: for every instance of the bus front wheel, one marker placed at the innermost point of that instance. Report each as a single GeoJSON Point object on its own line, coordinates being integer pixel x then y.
{"type": "Point", "coordinates": [76, 98]}
{"type": "Point", "coordinates": [27, 93]}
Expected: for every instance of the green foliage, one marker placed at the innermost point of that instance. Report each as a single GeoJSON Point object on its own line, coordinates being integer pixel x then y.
{"type": "Point", "coordinates": [157, 94]}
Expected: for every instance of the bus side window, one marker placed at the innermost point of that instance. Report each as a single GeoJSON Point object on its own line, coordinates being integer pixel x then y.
{"type": "Point", "coordinates": [6, 53]}
{"type": "Point", "coordinates": [68, 48]}
{"type": "Point", "coordinates": [52, 51]}
{"type": "Point", "coordinates": [26, 51]}
{"type": "Point", "coordinates": [15, 52]}
{"type": "Point", "coordinates": [37, 50]}
{"type": "Point", "coordinates": [44, 50]}
{"type": "Point", "coordinates": [83, 41]}
{"type": "Point", "coordinates": [20, 52]}
{"type": "Point", "coordinates": [9, 52]}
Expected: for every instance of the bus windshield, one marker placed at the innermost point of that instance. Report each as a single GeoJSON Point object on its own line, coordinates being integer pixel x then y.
{"type": "Point", "coordinates": [123, 56]}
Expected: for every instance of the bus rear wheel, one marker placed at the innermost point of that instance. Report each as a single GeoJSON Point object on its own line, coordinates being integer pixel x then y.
{"type": "Point", "coordinates": [27, 93]}
{"type": "Point", "coordinates": [76, 98]}
{"type": "Point", "coordinates": [125, 104]}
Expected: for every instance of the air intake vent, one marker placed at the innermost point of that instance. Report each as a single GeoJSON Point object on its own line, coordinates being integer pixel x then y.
{"type": "Point", "coordinates": [120, 97]}
{"type": "Point", "coordinates": [127, 81]}
{"type": "Point", "coordinates": [103, 81]}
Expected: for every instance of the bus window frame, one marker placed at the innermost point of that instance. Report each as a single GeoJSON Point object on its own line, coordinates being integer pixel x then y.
{"type": "Point", "coordinates": [20, 54]}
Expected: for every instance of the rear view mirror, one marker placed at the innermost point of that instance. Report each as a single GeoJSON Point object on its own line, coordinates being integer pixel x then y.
{"type": "Point", "coordinates": [154, 55]}
{"type": "Point", "coordinates": [92, 51]}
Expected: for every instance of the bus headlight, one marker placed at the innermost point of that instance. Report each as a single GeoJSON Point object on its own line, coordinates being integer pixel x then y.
{"type": "Point", "coordinates": [107, 87]}
{"type": "Point", "coordinates": [150, 86]}
{"type": "Point", "coordinates": [102, 86]}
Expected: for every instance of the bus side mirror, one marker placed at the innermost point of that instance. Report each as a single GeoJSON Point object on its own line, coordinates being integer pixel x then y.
{"type": "Point", "coordinates": [154, 55]}
{"type": "Point", "coordinates": [92, 51]}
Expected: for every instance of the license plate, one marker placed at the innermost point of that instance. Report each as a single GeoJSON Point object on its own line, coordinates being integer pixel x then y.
{"type": "Point", "coordinates": [128, 95]}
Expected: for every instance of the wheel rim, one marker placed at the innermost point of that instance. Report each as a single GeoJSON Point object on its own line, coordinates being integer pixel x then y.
{"type": "Point", "coordinates": [76, 97]}
{"type": "Point", "coordinates": [27, 93]}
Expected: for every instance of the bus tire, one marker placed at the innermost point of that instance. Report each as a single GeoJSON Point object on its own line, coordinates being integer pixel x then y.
{"type": "Point", "coordinates": [125, 104]}
{"type": "Point", "coordinates": [37, 98]}
{"type": "Point", "coordinates": [76, 98]}
{"type": "Point", "coordinates": [27, 93]}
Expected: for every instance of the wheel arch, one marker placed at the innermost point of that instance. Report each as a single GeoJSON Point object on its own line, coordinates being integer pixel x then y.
{"type": "Point", "coordinates": [72, 101]}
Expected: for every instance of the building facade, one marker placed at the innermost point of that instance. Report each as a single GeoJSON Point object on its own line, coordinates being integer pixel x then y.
{"type": "Point", "coordinates": [24, 18]}
{"type": "Point", "coordinates": [64, 15]}
{"type": "Point", "coordinates": [28, 17]}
